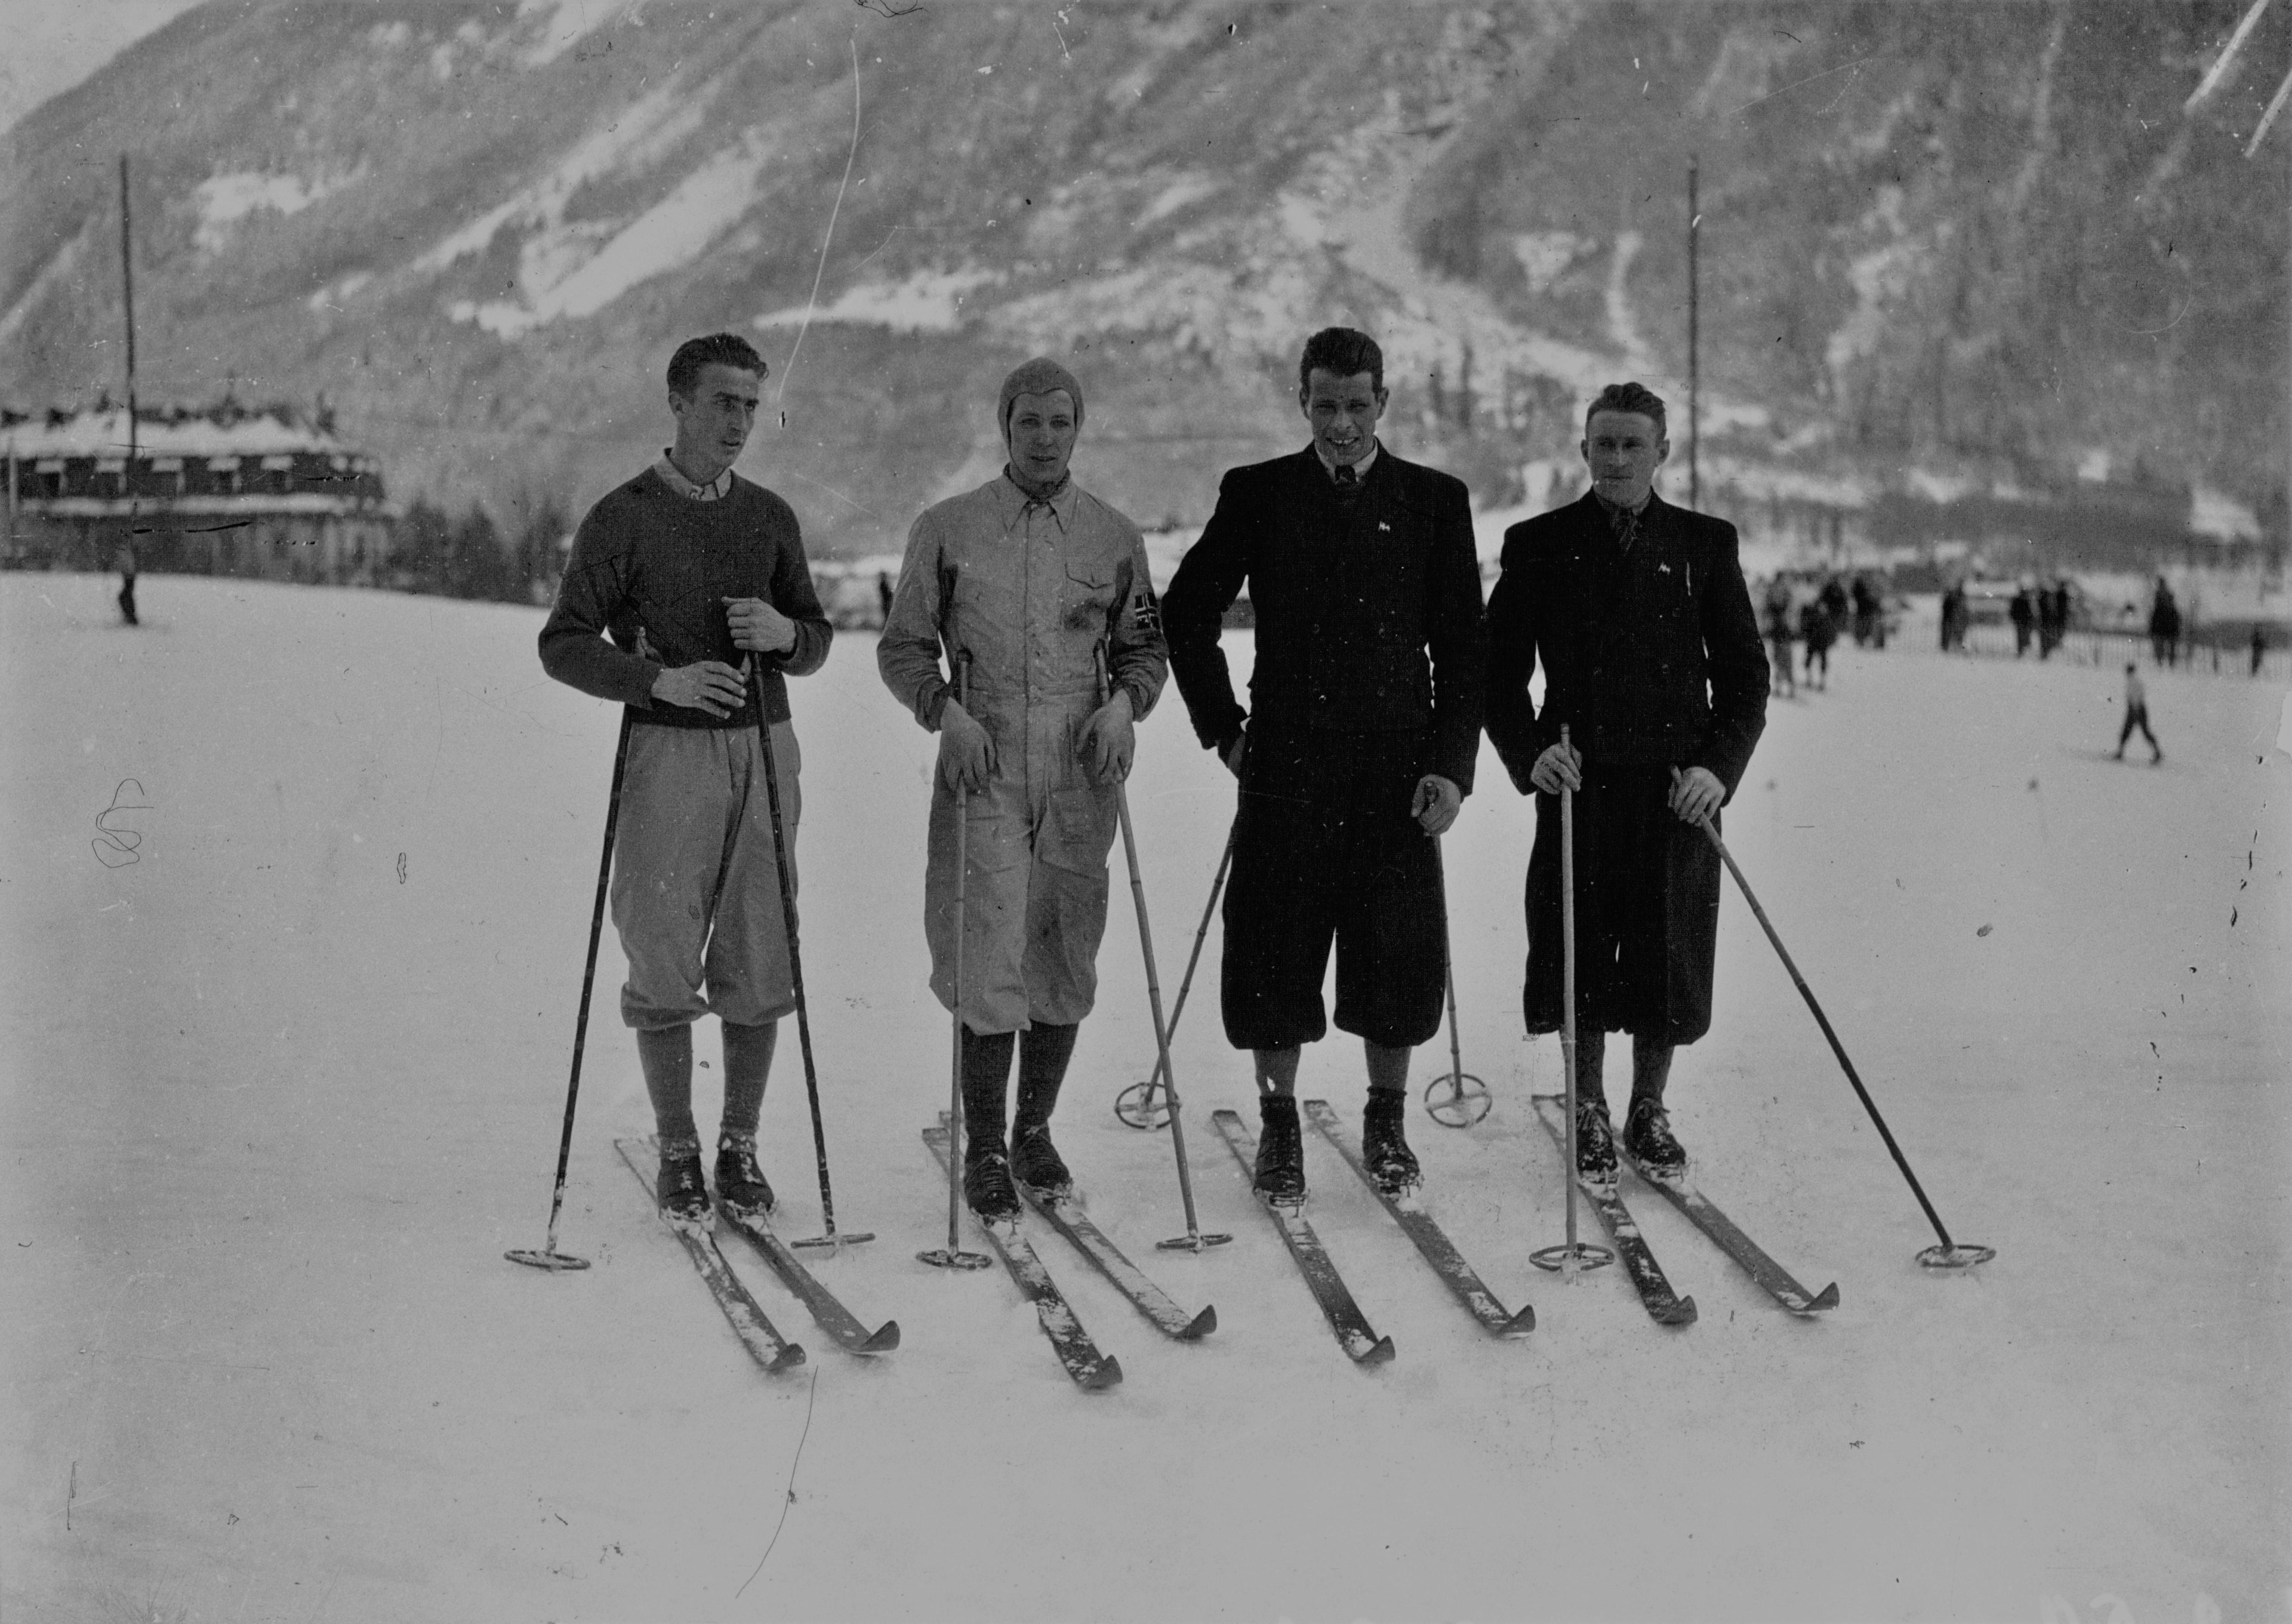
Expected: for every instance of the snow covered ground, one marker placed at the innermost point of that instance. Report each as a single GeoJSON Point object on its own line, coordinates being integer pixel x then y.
{"type": "Point", "coordinates": [292, 908]}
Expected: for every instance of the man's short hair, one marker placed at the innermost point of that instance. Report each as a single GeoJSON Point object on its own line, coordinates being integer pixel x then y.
{"type": "Point", "coordinates": [716, 350]}
{"type": "Point", "coordinates": [1634, 397]}
{"type": "Point", "coordinates": [1342, 352]}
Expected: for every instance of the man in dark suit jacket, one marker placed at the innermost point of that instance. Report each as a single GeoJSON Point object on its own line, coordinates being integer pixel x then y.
{"type": "Point", "coordinates": [1651, 659]}
{"type": "Point", "coordinates": [1356, 753]}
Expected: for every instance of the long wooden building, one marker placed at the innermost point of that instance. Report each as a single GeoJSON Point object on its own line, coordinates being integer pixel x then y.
{"type": "Point", "coordinates": [260, 491]}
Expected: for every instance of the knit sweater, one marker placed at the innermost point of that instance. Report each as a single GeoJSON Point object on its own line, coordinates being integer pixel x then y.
{"type": "Point", "coordinates": [646, 559]}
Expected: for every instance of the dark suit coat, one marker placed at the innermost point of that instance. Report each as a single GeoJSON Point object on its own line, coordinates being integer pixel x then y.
{"type": "Point", "coordinates": [1368, 611]}
{"type": "Point", "coordinates": [1652, 658]}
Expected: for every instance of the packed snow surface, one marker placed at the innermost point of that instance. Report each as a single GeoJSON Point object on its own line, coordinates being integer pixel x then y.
{"type": "Point", "coordinates": [293, 907]}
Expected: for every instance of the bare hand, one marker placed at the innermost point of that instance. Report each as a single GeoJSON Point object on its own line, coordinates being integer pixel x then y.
{"type": "Point", "coordinates": [1235, 755]}
{"type": "Point", "coordinates": [758, 626]}
{"type": "Point", "coordinates": [1559, 767]}
{"type": "Point", "coordinates": [1435, 803]}
{"type": "Point", "coordinates": [1108, 742]}
{"type": "Point", "coordinates": [1696, 793]}
{"type": "Point", "coordinates": [706, 684]}
{"type": "Point", "coordinates": [967, 753]}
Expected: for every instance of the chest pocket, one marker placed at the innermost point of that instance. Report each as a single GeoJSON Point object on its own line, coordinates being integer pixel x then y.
{"type": "Point", "coordinates": [1087, 595]}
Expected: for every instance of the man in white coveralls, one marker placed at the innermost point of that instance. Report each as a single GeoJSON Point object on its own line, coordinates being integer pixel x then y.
{"type": "Point", "coordinates": [1031, 587]}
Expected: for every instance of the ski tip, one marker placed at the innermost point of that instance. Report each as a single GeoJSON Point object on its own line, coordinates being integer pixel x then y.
{"type": "Point", "coordinates": [788, 1358]}
{"type": "Point", "coordinates": [1200, 1326]}
{"type": "Point", "coordinates": [1681, 1314]}
{"type": "Point", "coordinates": [1520, 1324]}
{"type": "Point", "coordinates": [1106, 1373]}
{"type": "Point", "coordinates": [1379, 1353]}
{"type": "Point", "coordinates": [884, 1341]}
{"type": "Point", "coordinates": [1826, 1298]}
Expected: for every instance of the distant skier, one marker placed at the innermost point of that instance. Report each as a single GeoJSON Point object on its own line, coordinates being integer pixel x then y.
{"type": "Point", "coordinates": [1866, 612]}
{"type": "Point", "coordinates": [2136, 715]}
{"type": "Point", "coordinates": [2165, 624]}
{"type": "Point", "coordinates": [1953, 617]}
{"type": "Point", "coordinates": [124, 560]}
{"type": "Point", "coordinates": [2053, 616]}
{"type": "Point", "coordinates": [884, 597]}
{"type": "Point", "coordinates": [1781, 680]}
{"type": "Point", "coordinates": [692, 572]}
{"type": "Point", "coordinates": [2023, 611]}
{"type": "Point", "coordinates": [1817, 631]}
{"type": "Point", "coordinates": [1651, 658]}
{"type": "Point", "coordinates": [1032, 578]}
{"type": "Point", "coordinates": [1833, 599]}
{"type": "Point", "coordinates": [2259, 647]}
{"type": "Point", "coordinates": [1356, 752]}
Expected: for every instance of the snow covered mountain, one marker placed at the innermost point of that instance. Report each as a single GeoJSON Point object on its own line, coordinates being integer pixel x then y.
{"type": "Point", "coordinates": [1973, 238]}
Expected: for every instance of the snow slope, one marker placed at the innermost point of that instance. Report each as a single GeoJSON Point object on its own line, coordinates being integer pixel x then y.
{"type": "Point", "coordinates": [280, 1090]}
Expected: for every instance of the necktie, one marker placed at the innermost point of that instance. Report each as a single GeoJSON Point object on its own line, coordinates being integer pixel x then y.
{"type": "Point", "coordinates": [1346, 476]}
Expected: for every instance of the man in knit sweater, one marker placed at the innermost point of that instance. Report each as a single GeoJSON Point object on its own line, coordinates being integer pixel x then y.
{"type": "Point", "coordinates": [1355, 754]}
{"type": "Point", "coordinates": [1041, 591]}
{"type": "Point", "coordinates": [687, 596]}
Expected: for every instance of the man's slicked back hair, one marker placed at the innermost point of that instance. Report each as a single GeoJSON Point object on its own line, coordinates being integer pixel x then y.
{"type": "Point", "coordinates": [1343, 353]}
{"type": "Point", "coordinates": [716, 350]}
{"type": "Point", "coordinates": [1633, 396]}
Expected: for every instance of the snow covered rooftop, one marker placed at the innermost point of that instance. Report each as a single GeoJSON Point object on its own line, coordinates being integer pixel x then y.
{"type": "Point", "coordinates": [262, 431]}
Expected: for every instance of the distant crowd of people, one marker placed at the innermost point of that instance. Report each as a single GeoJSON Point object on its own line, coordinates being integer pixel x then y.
{"type": "Point", "coordinates": [1858, 607]}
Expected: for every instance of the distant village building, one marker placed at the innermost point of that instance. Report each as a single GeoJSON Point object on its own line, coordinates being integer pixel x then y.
{"type": "Point", "coordinates": [259, 491]}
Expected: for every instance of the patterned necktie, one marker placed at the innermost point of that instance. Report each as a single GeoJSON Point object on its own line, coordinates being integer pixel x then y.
{"type": "Point", "coordinates": [1346, 476]}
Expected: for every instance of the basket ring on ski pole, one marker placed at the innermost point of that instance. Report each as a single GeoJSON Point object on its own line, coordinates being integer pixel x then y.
{"type": "Point", "coordinates": [1144, 1106]}
{"type": "Point", "coordinates": [1466, 1103]}
{"type": "Point", "coordinates": [1554, 1258]}
{"type": "Point", "coordinates": [1957, 1256]}
{"type": "Point", "coordinates": [552, 1260]}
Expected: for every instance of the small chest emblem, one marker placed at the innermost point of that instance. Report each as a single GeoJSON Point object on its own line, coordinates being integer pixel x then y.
{"type": "Point", "coordinates": [1663, 569]}
{"type": "Point", "coordinates": [1385, 525]}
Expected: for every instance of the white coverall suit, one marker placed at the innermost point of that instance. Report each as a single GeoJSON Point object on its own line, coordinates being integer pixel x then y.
{"type": "Point", "coordinates": [1030, 590]}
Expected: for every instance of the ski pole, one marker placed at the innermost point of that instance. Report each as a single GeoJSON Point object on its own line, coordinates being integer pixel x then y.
{"type": "Point", "coordinates": [1574, 1255]}
{"type": "Point", "coordinates": [795, 963]}
{"type": "Point", "coordinates": [954, 1257]}
{"type": "Point", "coordinates": [1459, 1107]}
{"type": "Point", "coordinates": [1949, 1254]}
{"type": "Point", "coordinates": [1193, 1239]}
{"type": "Point", "coordinates": [549, 1257]}
{"type": "Point", "coordinates": [1135, 1104]}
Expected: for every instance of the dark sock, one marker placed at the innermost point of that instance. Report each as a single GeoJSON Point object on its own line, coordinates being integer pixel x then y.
{"type": "Point", "coordinates": [1388, 1068]}
{"type": "Point", "coordinates": [1650, 1068]}
{"type": "Point", "coordinates": [748, 1063]}
{"type": "Point", "coordinates": [665, 1054]}
{"type": "Point", "coordinates": [1591, 1059]}
{"type": "Point", "coordinates": [1044, 1052]}
{"type": "Point", "coordinates": [986, 1083]}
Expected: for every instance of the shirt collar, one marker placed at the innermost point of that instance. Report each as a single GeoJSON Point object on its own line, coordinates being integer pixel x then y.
{"type": "Point", "coordinates": [1015, 502]}
{"type": "Point", "coordinates": [1360, 468]}
{"type": "Point", "coordinates": [1612, 510]}
{"type": "Point", "coordinates": [672, 476]}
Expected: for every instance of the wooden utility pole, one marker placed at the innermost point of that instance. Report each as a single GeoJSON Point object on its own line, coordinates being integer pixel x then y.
{"type": "Point", "coordinates": [127, 286]}
{"type": "Point", "coordinates": [1694, 229]}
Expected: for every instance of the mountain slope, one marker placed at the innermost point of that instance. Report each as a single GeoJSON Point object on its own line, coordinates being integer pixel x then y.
{"type": "Point", "coordinates": [1980, 239]}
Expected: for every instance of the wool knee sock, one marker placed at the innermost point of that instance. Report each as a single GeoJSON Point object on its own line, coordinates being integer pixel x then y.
{"type": "Point", "coordinates": [1650, 1068]}
{"type": "Point", "coordinates": [1591, 1060]}
{"type": "Point", "coordinates": [748, 1064]}
{"type": "Point", "coordinates": [986, 1083]}
{"type": "Point", "coordinates": [1044, 1052]}
{"type": "Point", "coordinates": [665, 1054]}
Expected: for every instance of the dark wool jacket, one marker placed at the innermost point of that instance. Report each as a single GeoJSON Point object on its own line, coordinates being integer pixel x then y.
{"type": "Point", "coordinates": [646, 559]}
{"type": "Point", "coordinates": [1650, 657]}
{"type": "Point", "coordinates": [1368, 609]}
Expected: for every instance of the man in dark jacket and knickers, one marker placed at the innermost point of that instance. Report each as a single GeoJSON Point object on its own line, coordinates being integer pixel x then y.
{"type": "Point", "coordinates": [1357, 751]}
{"type": "Point", "coordinates": [1651, 658]}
